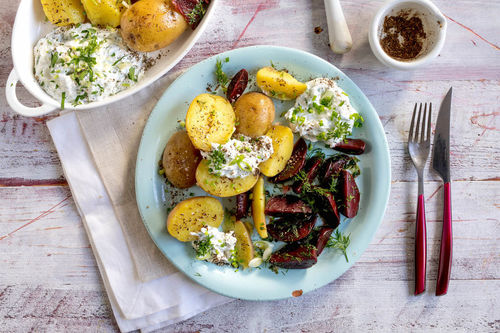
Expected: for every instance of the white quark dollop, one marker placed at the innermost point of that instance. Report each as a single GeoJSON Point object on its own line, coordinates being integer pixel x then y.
{"type": "Point", "coordinates": [239, 157]}
{"type": "Point", "coordinates": [84, 64]}
{"type": "Point", "coordinates": [215, 246]}
{"type": "Point", "coordinates": [323, 113]}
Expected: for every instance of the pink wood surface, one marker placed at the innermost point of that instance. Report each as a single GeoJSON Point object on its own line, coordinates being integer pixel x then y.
{"type": "Point", "coordinates": [49, 280]}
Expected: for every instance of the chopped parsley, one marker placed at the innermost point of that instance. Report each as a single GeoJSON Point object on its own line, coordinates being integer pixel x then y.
{"type": "Point", "coordinates": [131, 74]}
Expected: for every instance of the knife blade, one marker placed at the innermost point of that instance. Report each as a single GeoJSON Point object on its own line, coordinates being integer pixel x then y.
{"type": "Point", "coordinates": [441, 152]}
{"type": "Point", "coordinates": [441, 163]}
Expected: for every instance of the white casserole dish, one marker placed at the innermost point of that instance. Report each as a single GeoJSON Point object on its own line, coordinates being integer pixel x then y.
{"type": "Point", "coordinates": [30, 25]}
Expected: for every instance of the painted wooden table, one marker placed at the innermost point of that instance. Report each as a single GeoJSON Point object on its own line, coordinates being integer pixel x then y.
{"type": "Point", "coordinates": [49, 280]}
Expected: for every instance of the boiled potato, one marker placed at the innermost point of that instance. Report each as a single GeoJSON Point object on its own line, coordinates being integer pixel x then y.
{"type": "Point", "coordinates": [104, 12]}
{"type": "Point", "coordinates": [244, 246]}
{"type": "Point", "coordinates": [210, 119]}
{"type": "Point", "coordinates": [258, 205]}
{"type": "Point", "coordinates": [282, 137]}
{"type": "Point", "coordinates": [254, 114]}
{"type": "Point", "coordinates": [63, 12]}
{"type": "Point", "coordinates": [191, 215]}
{"type": "Point", "coordinates": [180, 159]}
{"type": "Point", "coordinates": [279, 84]}
{"type": "Point", "coordinates": [149, 25]}
{"type": "Point", "coordinates": [222, 186]}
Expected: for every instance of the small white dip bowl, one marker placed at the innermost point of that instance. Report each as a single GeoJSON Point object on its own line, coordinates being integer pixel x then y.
{"type": "Point", "coordinates": [434, 24]}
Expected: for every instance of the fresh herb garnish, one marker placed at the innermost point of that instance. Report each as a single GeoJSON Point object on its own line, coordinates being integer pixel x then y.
{"type": "Point", "coordinates": [340, 242]}
{"type": "Point", "coordinates": [221, 77]}
{"type": "Point", "coordinates": [117, 61]}
{"type": "Point", "coordinates": [54, 56]}
{"type": "Point", "coordinates": [131, 74]}
{"type": "Point", "coordinates": [197, 13]}
{"type": "Point", "coordinates": [63, 99]}
{"type": "Point", "coordinates": [203, 247]}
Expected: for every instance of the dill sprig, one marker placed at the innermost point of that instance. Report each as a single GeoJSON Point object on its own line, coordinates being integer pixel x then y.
{"type": "Point", "coordinates": [221, 77]}
{"type": "Point", "coordinates": [340, 242]}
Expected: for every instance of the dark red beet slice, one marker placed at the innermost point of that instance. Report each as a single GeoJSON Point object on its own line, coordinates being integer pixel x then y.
{"type": "Point", "coordinates": [185, 8]}
{"type": "Point", "coordinates": [311, 169]}
{"type": "Point", "coordinates": [290, 229]}
{"type": "Point", "coordinates": [327, 209]}
{"type": "Point", "coordinates": [349, 194]}
{"type": "Point", "coordinates": [294, 164]}
{"type": "Point", "coordinates": [242, 204]}
{"type": "Point", "coordinates": [332, 167]}
{"type": "Point", "coordinates": [295, 256]}
{"type": "Point", "coordinates": [351, 146]}
{"type": "Point", "coordinates": [320, 238]}
{"type": "Point", "coordinates": [286, 204]}
{"type": "Point", "coordinates": [237, 86]}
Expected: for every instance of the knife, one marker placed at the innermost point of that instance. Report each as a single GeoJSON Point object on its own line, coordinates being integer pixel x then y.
{"type": "Point", "coordinates": [441, 163]}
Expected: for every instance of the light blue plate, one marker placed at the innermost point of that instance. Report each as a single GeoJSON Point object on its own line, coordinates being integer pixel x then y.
{"type": "Point", "coordinates": [259, 284]}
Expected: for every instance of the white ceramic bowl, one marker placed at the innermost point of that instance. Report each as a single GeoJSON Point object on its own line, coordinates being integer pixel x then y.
{"type": "Point", "coordinates": [30, 25]}
{"type": "Point", "coordinates": [434, 24]}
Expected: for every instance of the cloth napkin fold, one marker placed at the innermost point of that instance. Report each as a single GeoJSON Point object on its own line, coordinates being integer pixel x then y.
{"type": "Point", "coordinates": [136, 304]}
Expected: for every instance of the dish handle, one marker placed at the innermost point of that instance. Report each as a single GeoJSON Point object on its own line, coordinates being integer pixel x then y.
{"type": "Point", "coordinates": [10, 91]}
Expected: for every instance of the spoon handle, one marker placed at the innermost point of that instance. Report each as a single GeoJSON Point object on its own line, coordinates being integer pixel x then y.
{"type": "Point", "coordinates": [338, 31]}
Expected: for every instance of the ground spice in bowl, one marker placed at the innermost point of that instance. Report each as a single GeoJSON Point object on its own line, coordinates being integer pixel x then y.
{"type": "Point", "coordinates": [402, 36]}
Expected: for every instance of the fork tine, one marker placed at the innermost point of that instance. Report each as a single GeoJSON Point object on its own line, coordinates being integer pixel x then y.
{"type": "Point", "coordinates": [417, 130]}
{"type": "Point", "coordinates": [429, 123]}
{"type": "Point", "coordinates": [422, 133]}
{"type": "Point", "coordinates": [410, 135]}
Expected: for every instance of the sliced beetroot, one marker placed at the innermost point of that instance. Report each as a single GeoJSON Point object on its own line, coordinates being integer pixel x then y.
{"type": "Point", "coordinates": [294, 164]}
{"type": "Point", "coordinates": [332, 167]}
{"type": "Point", "coordinates": [186, 9]}
{"type": "Point", "coordinates": [320, 238]}
{"type": "Point", "coordinates": [291, 229]}
{"type": "Point", "coordinates": [311, 170]}
{"type": "Point", "coordinates": [237, 86]}
{"type": "Point", "coordinates": [295, 256]}
{"type": "Point", "coordinates": [286, 204]}
{"type": "Point", "coordinates": [242, 204]}
{"type": "Point", "coordinates": [349, 194]}
{"type": "Point", "coordinates": [327, 209]}
{"type": "Point", "coordinates": [351, 146]}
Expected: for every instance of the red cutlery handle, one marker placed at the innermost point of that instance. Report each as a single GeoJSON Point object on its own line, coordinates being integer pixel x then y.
{"type": "Point", "coordinates": [420, 247]}
{"type": "Point", "coordinates": [445, 256]}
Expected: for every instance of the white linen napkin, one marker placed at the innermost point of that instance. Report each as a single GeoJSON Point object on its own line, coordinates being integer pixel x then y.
{"type": "Point", "coordinates": [135, 304]}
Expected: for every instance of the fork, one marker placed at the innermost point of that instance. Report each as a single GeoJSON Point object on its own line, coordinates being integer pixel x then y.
{"type": "Point", "coordinates": [418, 147]}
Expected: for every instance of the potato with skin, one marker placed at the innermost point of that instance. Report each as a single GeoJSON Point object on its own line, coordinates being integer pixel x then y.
{"type": "Point", "coordinates": [191, 215]}
{"type": "Point", "coordinates": [104, 12]}
{"type": "Point", "coordinates": [282, 137]}
{"type": "Point", "coordinates": [222, 186]}
{"type": "Point", "coordinates": [254, 114]}
{"type": "Point", "coordinates": [279, 84]}
{"type": "Point", "coordinates": [150, 25]}
{"type": "Point", "coordinates": [63, 12]}
{"type": "Point", "coordinates": [244, 246]}
{"type": "Point", "coordinates": [258, 206]}
{"type": "Point", "coordinates": [210, 119]}
{"type": "Point", "coordinates": [180, 160]}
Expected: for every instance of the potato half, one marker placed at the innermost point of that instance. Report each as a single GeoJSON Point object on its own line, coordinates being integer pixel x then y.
{"type": "Point", "coordinates": [63, 12]}
{"type": "Point", "coordinates": [282, 137]}
{"type": "Point", "coordinates": [191, 215]}
{"type": "Point", "coordinates": [279, 84]}
{"type": "Point", "coordinates": [222, 186]}
{"type": "Point", "coordinates": [210, 119]}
